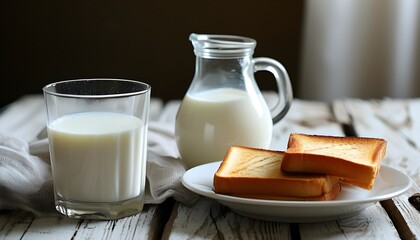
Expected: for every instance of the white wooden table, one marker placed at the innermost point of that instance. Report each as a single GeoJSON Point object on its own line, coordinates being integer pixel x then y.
{"type": "Point", "coordinates": [397, 121]}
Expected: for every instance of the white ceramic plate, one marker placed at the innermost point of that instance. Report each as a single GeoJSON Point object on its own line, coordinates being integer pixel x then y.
{"type": "Point", "coordinates": [389, 183]}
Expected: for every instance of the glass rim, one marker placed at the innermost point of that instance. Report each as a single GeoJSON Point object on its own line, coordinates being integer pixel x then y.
{"type": "Point", "coordinates": [222, 46]}
{"type": "Point", "coordinates": [48, 89]}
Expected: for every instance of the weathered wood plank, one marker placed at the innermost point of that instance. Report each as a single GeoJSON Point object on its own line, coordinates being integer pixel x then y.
{"type": "Point", "coordinates": [371, 223]}
{"type": "Point", "coordinates": [41, 228]}
{"type": "Point", "coordinates": [308, 117]}
{"type": "Point", "coordinates": [23, 225]}
{"type": "Point", "coordinates": [208, 219]}
{"type": "Point", "coordinates": [135, 227]}
{"type": "Point", "coordinates": [401, 115]}
{"type": "Point", "coordinates": [14, 224]}
{"type": "Point", "coordinates": [409, 213]}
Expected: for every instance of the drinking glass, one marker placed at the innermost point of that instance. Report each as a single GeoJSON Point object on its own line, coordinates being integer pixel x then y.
{"type": "Point", "coordinates": [97, 132]}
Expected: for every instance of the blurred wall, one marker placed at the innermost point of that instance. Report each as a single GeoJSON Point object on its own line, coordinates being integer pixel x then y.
{"type": "Point", "coordinates": [360, 49]}
{"type": "Point", "coordinates": [45, 41]}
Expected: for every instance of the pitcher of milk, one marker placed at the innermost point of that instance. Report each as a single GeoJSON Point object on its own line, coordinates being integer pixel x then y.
{"type": "Point", "coordinates": [224, 105]}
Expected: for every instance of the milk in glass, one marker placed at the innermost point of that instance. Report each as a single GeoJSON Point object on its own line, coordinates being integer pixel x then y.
{"type": "Point", "coordinates": [96, 156]}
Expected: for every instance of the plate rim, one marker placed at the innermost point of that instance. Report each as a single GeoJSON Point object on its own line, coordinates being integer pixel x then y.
{"type": "Point", "coordinates": [294, 203]}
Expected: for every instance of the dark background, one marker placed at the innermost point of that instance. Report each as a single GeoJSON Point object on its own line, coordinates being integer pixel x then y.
{"type": "Point", "coordinates": [45, 41]}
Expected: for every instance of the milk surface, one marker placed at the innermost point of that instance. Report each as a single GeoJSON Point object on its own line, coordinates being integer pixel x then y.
{"type": "Point", "coordinates": [210, 122]}
{"type": "Point", "coordinates": [96, 157]}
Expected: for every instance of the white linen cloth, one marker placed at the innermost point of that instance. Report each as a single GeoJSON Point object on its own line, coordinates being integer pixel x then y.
{"type": "Point", "coordinates": [26, 179]}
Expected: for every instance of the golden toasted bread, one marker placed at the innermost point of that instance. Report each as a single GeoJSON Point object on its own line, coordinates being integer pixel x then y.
{"type": "Point", "coordinates": [255, 173]}
{"type": "Point", "coordinates": [356, 160]}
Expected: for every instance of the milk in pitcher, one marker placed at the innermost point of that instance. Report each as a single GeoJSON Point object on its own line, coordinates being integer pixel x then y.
{"type": "Point", "coordinates": [209, 122]}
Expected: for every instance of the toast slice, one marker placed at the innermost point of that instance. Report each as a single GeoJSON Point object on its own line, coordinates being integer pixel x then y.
{"type": "Point", "coordinates": [355, 160]}
{"type": "Point", "coordinates": [255, 173]}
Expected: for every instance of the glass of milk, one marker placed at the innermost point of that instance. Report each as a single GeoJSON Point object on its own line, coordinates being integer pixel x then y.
{"type": "Point", "coordinates": [97, 132]}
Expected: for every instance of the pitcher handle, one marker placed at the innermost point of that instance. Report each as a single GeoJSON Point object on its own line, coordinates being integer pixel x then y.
{"type": "Point", "coordinates": [284, 92]}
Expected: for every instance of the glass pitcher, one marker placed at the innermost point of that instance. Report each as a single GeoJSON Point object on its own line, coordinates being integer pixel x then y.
{"type": "Point", "coordinates": [224, 105]}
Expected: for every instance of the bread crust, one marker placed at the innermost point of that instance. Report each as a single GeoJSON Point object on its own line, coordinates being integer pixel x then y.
{"type": "Point", "coordinates": [331, 195]}
{"type": "Point", "coordinates": [356, 160]}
